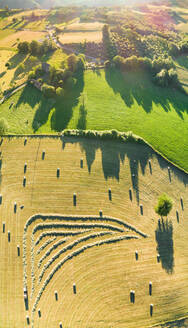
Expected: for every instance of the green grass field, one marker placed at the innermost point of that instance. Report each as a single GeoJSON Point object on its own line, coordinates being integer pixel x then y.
{"type": "Point", "coordinates": [182, 69]}
{"type": "Point", "coordinates": [103, 274]}
{"type": "Point", "coordinates": [129, 102]}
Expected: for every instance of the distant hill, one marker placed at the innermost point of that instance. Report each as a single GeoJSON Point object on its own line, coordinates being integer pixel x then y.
{"type": "Point", "coordinates": [52, 3]}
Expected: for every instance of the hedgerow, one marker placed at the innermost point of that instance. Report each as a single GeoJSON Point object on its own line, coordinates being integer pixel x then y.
{"type": "Point", "coordinates": [104, 135]}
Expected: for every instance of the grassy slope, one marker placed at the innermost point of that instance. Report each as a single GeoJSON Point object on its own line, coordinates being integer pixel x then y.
{"type": "Point", "coordinates": [129, 103]}
{"type": "Point", "coordinates": [103, 275]}
{"type": "Point", "coordinates": [182, 69]}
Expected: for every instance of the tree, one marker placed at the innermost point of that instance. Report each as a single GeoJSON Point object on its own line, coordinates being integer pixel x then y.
{"type": "Point", "coordinates": [23, 47]}
{"type": "Point", "coordinates": [72, 62]}
{"type": "Point", "coordinates": [34, 47]}
{"type": "Point", "coordinates": [60, 92]}
{"type": "Point", "coordinates": [48, 91]}
{"type": "Point", "coordinates": [3, 126]}
{"type": "Point", "coordinates": [164, 205]}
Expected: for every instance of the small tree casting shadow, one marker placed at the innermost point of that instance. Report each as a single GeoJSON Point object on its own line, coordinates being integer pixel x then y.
{"type": "Point", "coordinates": [165, 248]}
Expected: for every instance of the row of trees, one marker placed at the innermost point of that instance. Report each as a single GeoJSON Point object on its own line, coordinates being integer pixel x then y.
{"type": "Point", "coordinates": [36, 48]}
{"type": "Point", "coordinates": [162, 70]}
{"type": "Point", "coordinates": [108, 44]}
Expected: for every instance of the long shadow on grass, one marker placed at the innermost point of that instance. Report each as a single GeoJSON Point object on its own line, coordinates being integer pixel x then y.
{"type": "Point", "coordinates": [113, 154]}
{"type": "Point", "coordinates": [64, 107]}
{"type": "Point", "coordinates": [165, 248]}
{"type": "Point", "coordinates": [16, 60]}
{"type": "Point", "coordinates": [138, 87]}
{"type": "Point", "coordinates": [82, 120]}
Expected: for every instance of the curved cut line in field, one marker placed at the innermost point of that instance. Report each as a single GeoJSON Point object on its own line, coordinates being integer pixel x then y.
{"type": "Point", "coordinates": [65, 249]}
{"type": "Point", "coordinates": [56, 245]}
{"type": "Point", "coordinates": [70, 256]}
{"type": "Point", "coordinates": [108, 225]}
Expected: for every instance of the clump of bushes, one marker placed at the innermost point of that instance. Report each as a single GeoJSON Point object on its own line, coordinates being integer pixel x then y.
{"type": "Point", "coordinates": [36, 48]}
{"type": "Point", "coordinates": [104, 135]}
{"type": "Point", "coordinates": [48, 91]}
{"type": "Point", "coordinates": [166, 77]}
{"type": "Point", "coordinates": [132, 63]}
{"type": "Point", "coordinates": [59, 81]}
{"type": "Point", "coordinates": [162, 70]}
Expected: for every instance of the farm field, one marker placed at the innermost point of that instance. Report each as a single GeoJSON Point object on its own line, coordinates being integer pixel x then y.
{"type": "Point", "coordinates": [57, 258]}
{"type": "Point", "coordinates": [11, 39]}
{"type": "Point", "coordinates": [159, 116]}
{"type": "Point", "coordinates": [77, 37]}
{"type": "Point", "coordinates": [8, 76]}
{"type": "Point", "coordinates": [77, 26]}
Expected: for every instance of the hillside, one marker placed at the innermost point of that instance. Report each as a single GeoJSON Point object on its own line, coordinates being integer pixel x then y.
{"type": "Point", "coordinates": [52, 3]}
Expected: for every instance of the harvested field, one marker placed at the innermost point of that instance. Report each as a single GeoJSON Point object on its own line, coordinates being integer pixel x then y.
{"type": "Point", "coordinates": [77, 37]}
{"type": "Point", "coordinates": [78, 27]}
{"type": "Point", "coordinates": [11, 39]}
{"type": "Point", "coordinates": [80, 261]}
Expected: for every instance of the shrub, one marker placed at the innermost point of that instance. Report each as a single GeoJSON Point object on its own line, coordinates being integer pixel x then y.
{"type": "Point", "coordinates": [34, 47]}
{"type": "Point", "coordinates": [161, 63]}
{"type": "Point", "coordinates": [3, 126]}
{"type": "Point", "coordinates": [60, 92]}
{"type": "Point", "coordinates": [164, 205]}
{"type": "Point", "coordinates": [33, 59]}
{"type": "Point", "coordinates": [72, 62]}
{"type": "Point", "coordinates": [162, 78]}
{"type": "Point", "coordinates": [48, 91]}
{"type": "Point", "coordinates": [31, 75]}
{"type": "Point", "coordinates": [7, 65]}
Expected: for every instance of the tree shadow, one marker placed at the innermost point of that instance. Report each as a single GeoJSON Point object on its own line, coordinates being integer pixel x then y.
{"type": "Point", "coordinates": [64, 107]}
{"type": "Point", "coordinates": [82, 120]}
{"type": "Point", "coordinates": [0, 170]}
{"type": "Point", "coordinates": [165, 248]}
{"type": "Point", "coordinates": [114, 153]}
{"type": "Point", "coordinates": [2, 74]}
{"type": "Point", "coordinates": [16, 60]}
{"type": "Point", "coordinates": [138, 87]}
{"type": "Point", "coordinates": [182, 61]}
{"type": "Point", "coordinates": [29, 95]}
{"type": "Point", "coordinates": [164, 165]}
